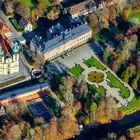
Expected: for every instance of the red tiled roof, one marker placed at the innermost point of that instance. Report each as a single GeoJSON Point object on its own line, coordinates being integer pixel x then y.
{"type": "Point", "coordinates": [4, 42]}
{"type": "Point", "coordinates": [4, 29]}
{"type": "Point", "coordinates": [6, 45]}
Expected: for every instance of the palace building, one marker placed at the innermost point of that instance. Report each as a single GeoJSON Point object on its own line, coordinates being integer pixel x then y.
{"type": "Point", "coordinates": [61, 38]}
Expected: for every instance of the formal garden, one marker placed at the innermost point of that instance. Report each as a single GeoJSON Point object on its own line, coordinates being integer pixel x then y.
{"type": "Point", "coordinates": [103, 81]}
{"type": "Point", "coordinates": [115, 82]}
{"type": "Point", "coordinates": [95, 77]}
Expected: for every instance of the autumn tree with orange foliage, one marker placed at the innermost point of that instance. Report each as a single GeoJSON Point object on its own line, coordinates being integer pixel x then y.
{"type": "Point", "coordinates": [107, 111]}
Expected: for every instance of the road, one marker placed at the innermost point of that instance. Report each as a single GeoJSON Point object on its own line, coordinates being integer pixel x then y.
{"type": "Point", "coordinates": [118, 127]}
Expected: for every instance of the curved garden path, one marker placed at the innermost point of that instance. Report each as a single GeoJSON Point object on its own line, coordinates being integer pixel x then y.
{"type": "Point", "coordinates": [110, 91]}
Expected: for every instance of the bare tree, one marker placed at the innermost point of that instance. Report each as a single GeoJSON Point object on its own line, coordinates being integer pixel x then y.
{"type": "Point", "coordinates": [39, 60]}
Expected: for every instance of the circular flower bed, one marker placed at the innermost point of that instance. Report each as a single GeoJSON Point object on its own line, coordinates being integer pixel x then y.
{"type": "Point", "coordinates": [95, 77]}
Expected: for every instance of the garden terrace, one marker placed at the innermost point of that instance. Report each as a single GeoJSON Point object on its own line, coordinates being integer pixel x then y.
{"type": "Point", "coordinates": [134, 105]}
{"type": "Point", "coordinates": [76, 71]}
{"type": "Point", "coordinates": [116, 83]}
{"type": "Point", "coordinates": [94, 62]}
{"type": "Point", "coordinates": [100, 90]}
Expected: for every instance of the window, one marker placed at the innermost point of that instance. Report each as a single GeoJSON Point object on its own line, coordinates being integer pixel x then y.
{"type": "Point", "coordinates": [16, 57]}
{"type": "Point", "coordinates": [8, 72]}
{"type": "Point", "coordinates": [8, 66]}
{"type": "Point", "coordinates": [0, 59]}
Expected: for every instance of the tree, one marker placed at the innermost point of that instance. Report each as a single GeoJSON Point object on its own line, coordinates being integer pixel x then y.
{"type": "Point", "coordinates": [92, 20]}
{"type": "Point", "coordinates": [132, 69]}
{"type": "Point", "coordinates": [107, 53]}
{"type": "Point", "coordinates": [38, 133]}
{"type": "Point", "coordinates": [93, 107]}
{"type": "Point", "coordinates": [53, 13]}
{"type": "Point", "coordinates": [41, 7]}
{"type": "Point", "coordinates": [51, 132]}
{"type": "Point", "coordinates": [22, 10]}
{"type": "Point", "coordinates": [112, 136]}
{"type": "Point", "coordinates": [39, 61]}
{"type": "Point", "coordinates": [107, 111]}
{"type": "Point", "coordinates": [127, 12]}
{"type": "Point", "coordinates": [68, 124]}
{"type": "Point", "coordinates": [103, 15]}
{"type": "Point", "coordinates": [119, 37]}
{"type": "Point", "coordinates": [15, 132]}
{"type": "Point", "coordinates": [126, 75]}
{"type": "Point", "coordinates": [95, 31]}
{"type": "Point", "coordinates": [112, 13]}
{"type": "Point", "coordinates": [39, 120]}
{"type": "Point", "coordinates": [62, 128]}
{"type": "Point", "coordinates": [120, 5]}
{"type": "Point", "coordinates": [122, 137]}
{"type": "Point", "coordinates": [8, 7]}
{"type": "Point", "coordinates": [17, 109]}
{"type": "Point", "coordinates": [56, 2]}
{"type": "Point", "coordinates": [135, 84]}
{"type": "Point", "coordinates": [66, 89]}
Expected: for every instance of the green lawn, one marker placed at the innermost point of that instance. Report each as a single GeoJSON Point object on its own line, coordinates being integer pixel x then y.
{"type": "Point", "coordinates": [76, 71]}
{"type": "Point", "coordinates": [27, 3]}
{"type": "Point", "coordinates": [116, 83]}
{"type": "Point", "coordinates": [16, 25]}
{"type": "Point", "coordinates": [101, 90]}
{"type": "Point", "coordinates": [134, 105]}
{"type": "Point", "coordinates": [31, 4]}
{"type": "Point", "coordinates": [18, 79]}
{"type": "Point", "coordinates": [94, 62]}
{"type": "Point", "coordinates": [47, 3]}
{"type": "Point", "coordinates": [135, 17]}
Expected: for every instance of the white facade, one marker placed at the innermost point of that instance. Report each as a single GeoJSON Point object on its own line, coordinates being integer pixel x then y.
{"type": "Point", "coordinates": [63, 43]}
{"type": "Point", "coordinates": [70, 45]}
{"type": "Point", "coordinates": [9, 56]}
{"type": "Point", "coordinates": [9, 65]}
{"type": "Point", "coordinates": [28, 28]}
{"type": "Point", "coordinates": [25, 25]}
